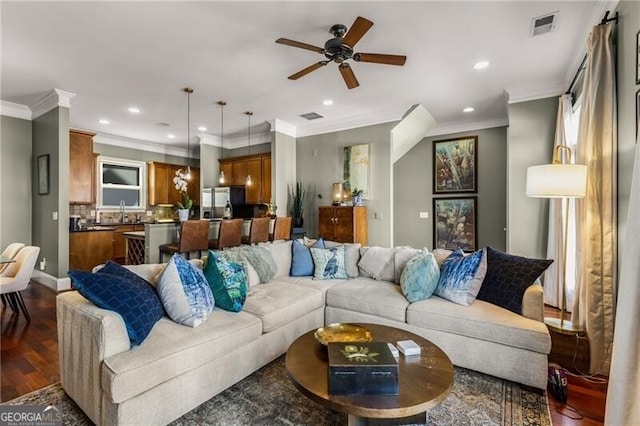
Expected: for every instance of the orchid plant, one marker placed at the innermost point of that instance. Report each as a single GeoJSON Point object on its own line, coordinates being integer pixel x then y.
{"type": "Point", "coordinates": [180, 182]}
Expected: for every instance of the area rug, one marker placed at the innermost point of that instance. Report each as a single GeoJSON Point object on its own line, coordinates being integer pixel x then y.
{"type": "Point", "coordinates": [267, 397]}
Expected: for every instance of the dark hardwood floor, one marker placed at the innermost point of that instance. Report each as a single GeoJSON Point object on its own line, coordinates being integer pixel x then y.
{"type": "Point", "coordinates": [29, 359]}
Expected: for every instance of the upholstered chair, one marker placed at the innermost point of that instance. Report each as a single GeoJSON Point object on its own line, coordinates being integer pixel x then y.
{"type": "Point", "coordinates": [281, 228]}
{"type": "Point", "coordinates": [194, 236]}
{"type": "Point", "coordinates": [16, 278]}
{"type": "Point", "coordinates": [259, 232]}
{"type": "Point", "coordinates": [229, 234]}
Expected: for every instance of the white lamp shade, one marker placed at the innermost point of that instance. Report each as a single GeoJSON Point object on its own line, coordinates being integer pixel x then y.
{"type": "Point", "coordinates": [557, 181]}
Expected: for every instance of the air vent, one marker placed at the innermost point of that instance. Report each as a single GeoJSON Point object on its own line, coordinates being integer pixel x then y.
{"type": "Point", "coordinates": [311, 116]}
{"type": "Point", "coordinates": [543, 24]}
{"type": "Point", "coordinates": [163, 124]}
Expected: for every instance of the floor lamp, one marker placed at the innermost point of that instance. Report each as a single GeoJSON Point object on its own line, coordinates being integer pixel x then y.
{"type": "Point", "coordinates": [559, 180]}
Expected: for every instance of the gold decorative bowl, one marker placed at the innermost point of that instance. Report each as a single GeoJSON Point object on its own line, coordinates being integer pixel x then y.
{"type": "Point", "coordinates": [342, 333]}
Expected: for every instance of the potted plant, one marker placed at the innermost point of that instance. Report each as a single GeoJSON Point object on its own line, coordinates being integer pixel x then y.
{"type": "Point", "coordinates": [180, 182]}
{"type": "Point", "coordinates": [357, 196]}
{"type": "Point", "coordinates": [296, 200]}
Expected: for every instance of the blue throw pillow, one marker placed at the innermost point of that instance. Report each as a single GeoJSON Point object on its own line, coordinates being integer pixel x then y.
{"type": "Point", "coordinates": [301, 260]}
{"type": "Point", "coordinates": [461, 277]}
{"type": "Point", "coordinates": [508, 277]}
{"type": "Point", "coordinates": [130, 296]}
{"type": "Point", "coordinates": [329, 263]}
{"type": "Point", "coordinates": [185, 292]}
{"type": "Point", "coordinates": [228, 282]}
{"type": "Point", "coordinates": [419, 277]}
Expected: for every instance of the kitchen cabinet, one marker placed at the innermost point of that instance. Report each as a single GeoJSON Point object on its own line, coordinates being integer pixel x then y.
{"type": "Point", "coordinates": [161, 189]}
{"type": "Point", "coordinates": [88, 249]}
{"type": "Point", "coordinates": [119, 242]}
{"type": "Point", "coordinates": [343, 224]}
{"type": "Point", "coordinates": [259, 167]}
{"type": "Point", "coordinates": [81, 168]}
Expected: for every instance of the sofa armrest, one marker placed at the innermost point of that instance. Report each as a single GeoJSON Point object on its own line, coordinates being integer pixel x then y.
{"type": "Point", "coordinates": [86, 336]}
{"type": "Point", "coordinates": [533, 302]}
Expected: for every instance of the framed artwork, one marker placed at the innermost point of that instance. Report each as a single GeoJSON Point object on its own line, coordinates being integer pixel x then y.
{"type": "Point", "coordinates": [454, 165]}
{"type": "Point", "coordinates": [43, 174]}
{"type": "Point", "coordinates": [455, 223]}
{"type": "Point", "coordinates": [638, 57]}
{"type": "Point", "coordinates": [637, 112]}
{"type": "Point", "coordinates": [356, 169]}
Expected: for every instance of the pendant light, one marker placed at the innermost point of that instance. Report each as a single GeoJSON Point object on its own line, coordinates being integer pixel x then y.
{"type": "Point", "coordinates": [188, 91]}
{"type": "Point", "coordinates": [249, 182]}
{"type": "Point", "coordinates": [221, 178]}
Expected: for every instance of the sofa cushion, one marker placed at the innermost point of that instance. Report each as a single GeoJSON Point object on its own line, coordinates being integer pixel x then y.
{"type": "Point", "coordinates": [281, 252]}
{"type": "Point", "coordinates": [185, 292]}
{"type": "Point", "coordinates": [259, 258]}
{"type": "Point", "coordinates": [228, 282]}
{"type": "Point", "coordinates": [120, 290]}
{"type": "Point", "coordinates": [461, 276]}
{"type": "Point", "coordinates": [321, 285]}
{"type": "Point", "coordinates": [508, 277]}
{"type": "Point", "coordinates": [368, 296]}
{"type": "Point", "coordinates": [301, 260]}
{"type": "Point", "coordinates": [377, 263]}
{"type": "Point", "coordinates": [280, 303]}
{"type": "Point", "coordinates": [401, 256]}
{"type": "Point", "coordinates": [481, 320]}
{"type": "Point", "coordinates": [172, 350]}
{"type": "Point", "coordinates": [420, 276]}
{"type": "Point", "coordinates": [328, 263]}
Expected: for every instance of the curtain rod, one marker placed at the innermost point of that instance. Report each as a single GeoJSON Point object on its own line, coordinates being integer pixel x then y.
{"type": "Point", "coordinates": [604, 21]}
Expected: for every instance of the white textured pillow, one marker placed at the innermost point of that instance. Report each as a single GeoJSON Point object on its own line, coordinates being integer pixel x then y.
{"type": "Point", "coordinates": [401, 256]}
{"type": "Point", "coordinates": [441, 255]}
{"type": "Point", "coordinates": [281, 252]}
{"type": "Point", "coordinates": [377, 263]}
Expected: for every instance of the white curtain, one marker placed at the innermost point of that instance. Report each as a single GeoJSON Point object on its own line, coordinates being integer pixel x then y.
{"type": "Point", "coordinates": [596, 243]}
{"type": "Point", "coordinates": [623, 394]}
{"type": "Point", "coordinates": [554, 275]}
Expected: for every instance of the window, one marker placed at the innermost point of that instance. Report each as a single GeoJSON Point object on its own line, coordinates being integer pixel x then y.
{"type": "Point", "coordinates": [571, 130]}
{"type": "Point", "coordinates": [121, 181]}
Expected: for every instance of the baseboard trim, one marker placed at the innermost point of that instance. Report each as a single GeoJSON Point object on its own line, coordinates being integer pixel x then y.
{"type": "Point", "coordinates": [54, 283]}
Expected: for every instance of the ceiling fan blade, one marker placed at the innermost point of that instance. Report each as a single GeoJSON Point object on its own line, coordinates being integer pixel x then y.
{"type": "Point", "coordinates": [307, 70]}
{"type": "Point", "coordinates": [378, 58]}
{"type": "Point", "coordinates": [358, 29]}
{"type": "Point", "coordinates": [299, 44]}
{"type": "Point", "coordinates": [349, 77]}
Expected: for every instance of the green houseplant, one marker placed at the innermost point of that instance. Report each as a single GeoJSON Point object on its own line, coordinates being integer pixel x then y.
{"type": "Point", "coordinates": [296, 200]}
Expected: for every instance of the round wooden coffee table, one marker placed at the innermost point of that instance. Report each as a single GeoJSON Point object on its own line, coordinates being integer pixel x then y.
{"type": "Point", "coordinates": [424, 380]}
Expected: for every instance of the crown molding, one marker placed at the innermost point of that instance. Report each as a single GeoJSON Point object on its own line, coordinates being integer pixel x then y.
{"type": "Point", "coordinates": [206, 139]}
{"type": "Point", "coordinates": [9, 109]}
{"type": "Point", "coordinates": [453, 127]}
{"type": "Point", "coordinates": [283, 127]}
{"type": "Point", "coordinates": [537, 90]}
{"type": "Point", "coordinates": [322, 126]}
{"type": "Point", "coordinates": [141, 145]}
{"type": "Point", "coordinates": [53, 99]}
{"type": "Point", "coordinates": [241, 141]}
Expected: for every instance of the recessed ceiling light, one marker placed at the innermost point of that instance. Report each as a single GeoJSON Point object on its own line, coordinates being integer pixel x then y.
{"type": "Point", "coordinates": [327, 102]}
{"type": "Point", "coordinates": [171, 136]}
{"type": "Point", "coordinates": [134, 110]}
{"type": "Point", "coordinates": [467, 109]}
{"type": "Point", "coordinates": [481, 65]}
{"type": "Point", "coordinates": [103, 121]}
{"type": "Point", "coordinates": [202, 129]}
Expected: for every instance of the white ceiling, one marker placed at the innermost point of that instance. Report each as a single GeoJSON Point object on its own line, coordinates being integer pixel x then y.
{"type": "Point", "coordinates": [113, 55]}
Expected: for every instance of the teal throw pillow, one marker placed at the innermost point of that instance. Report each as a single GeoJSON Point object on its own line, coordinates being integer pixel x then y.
{"type": "Point", "coordinates": [329, 263]}
{"type": "Point", "coordinates": [301, 261]}
{"type": "Point", "coordinates": [228, 282]}
{"type": "Point", "coordinates": [461, 277]}
{"type": "Point", "coordinates": [420, 276]}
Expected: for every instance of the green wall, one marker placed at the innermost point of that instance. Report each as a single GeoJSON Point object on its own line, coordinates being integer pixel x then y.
{"type": "Point", "coordinates": [139, 155]}
{"type": "Point", "coordinates": [15, 181]}
{"type": "Point", "coordinates": [263, 148]}
{"type": "Point", "coordinates": [413, 191]}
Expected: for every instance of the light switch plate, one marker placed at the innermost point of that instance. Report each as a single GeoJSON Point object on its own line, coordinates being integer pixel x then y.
{"type": "Point", "coordinates": [55, 215]}
{"type": "Point", "coordinates": [424, 215]}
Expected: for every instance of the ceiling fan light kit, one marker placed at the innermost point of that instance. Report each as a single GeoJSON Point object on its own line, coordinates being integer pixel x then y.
{"type": "Point", "coordinates": [339, 49]}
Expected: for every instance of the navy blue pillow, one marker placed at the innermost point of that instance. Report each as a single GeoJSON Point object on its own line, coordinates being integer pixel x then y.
{"type": "Point", "coordinates": [117, 289]}
{"type": "Point", "coordinates": [301, 260]}
{"type": "Point", "coordinates": [508, 277]}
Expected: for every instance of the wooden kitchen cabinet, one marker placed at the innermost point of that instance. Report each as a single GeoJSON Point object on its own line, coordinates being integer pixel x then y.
{"type": "Point", "coordinates": [343, 224]}
{"type": "Point", "coordinates": [253, 192]}
{"type": "Point", "coordinates": [161, 189]}
{"type": "Point", "coordinates": [266, 179]}
{"type": "Point", "coordinates": [259, 167]}
{"type": "Point", "coordinates": [238, 172]}
{"type": "Point", "coordinates": [225, 167]}
{"type": "Point", "coordinates": [88, 249]}
{"type": "Point", "coordinates": [81, 167]}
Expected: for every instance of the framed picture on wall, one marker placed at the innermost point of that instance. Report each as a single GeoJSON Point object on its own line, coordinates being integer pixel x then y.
{"type": "Point", "coordinates": [637, 112]}
{"type": "Point", "coordinates": [43, 174]}
{"type": "Point", "coordinates": [356, 170]}
{"type": "Point", "coordinates": [455, 223]}
{"type": "Point", "coordinates": [638, 57]}
{"type": "Point", "coordinates": [454, 165]}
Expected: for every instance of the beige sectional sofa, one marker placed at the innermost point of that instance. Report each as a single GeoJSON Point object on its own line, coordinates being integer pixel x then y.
{"type": "Point", "coordinates": [177, 368]}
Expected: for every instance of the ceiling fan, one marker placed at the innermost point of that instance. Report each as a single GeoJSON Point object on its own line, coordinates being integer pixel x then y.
{"type": "Point", "coordinates": [340, 49]}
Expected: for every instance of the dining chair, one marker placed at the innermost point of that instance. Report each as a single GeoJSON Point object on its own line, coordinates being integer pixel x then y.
{"type": "Point", "coordinates": [229, 234]}
{"type": "Point", "coordinates": [281, 228]}
{"type": "Point", "coordinates": [258, 232]}
{"type": "Point", "coordinates": [17, 280]}
{"type": "Point", "coordinates": [9, 253]}
{"type": "Point", "coordinates": [194, 236]}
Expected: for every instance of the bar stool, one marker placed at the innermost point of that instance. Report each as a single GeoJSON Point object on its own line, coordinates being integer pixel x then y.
{"type": "Point", "coordinates": [282, 228]}
{"type": "Point", "coordinates": [194, 236]}
{"type": "Point", "coordinates": [259, 231]}
{"type": "Point", "coordinates": [229, 234]}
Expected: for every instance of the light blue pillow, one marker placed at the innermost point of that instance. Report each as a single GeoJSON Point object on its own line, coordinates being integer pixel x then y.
{"type": "Point", "coordinates": [185, 292]}
{"type": "Point", "coordinates": [301, 261]}
{"type": "Point", "coordinates": [461, 277]}
{"type": "Point", "coordinates": [419, 277]}
{"type": "Point", "coordinates": [228, 282]}
{"type": "Point", "coordinates": [329, 263]}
